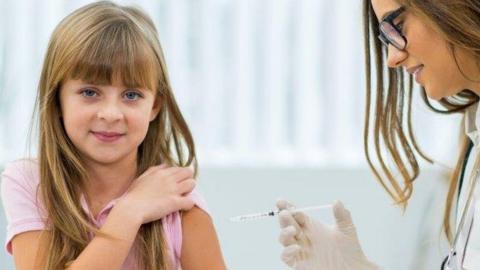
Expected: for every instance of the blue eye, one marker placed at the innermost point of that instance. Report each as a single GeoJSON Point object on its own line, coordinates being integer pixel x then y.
{"type": "Point", "coordinates": [88, 93]}
{"type": "Point", "coordinates": [132, 95]}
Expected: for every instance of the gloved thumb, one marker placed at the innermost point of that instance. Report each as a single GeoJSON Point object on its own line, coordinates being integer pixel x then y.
{"type": "Point", "coordinates": [342, 217]}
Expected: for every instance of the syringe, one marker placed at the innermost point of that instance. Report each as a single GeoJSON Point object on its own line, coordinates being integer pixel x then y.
{"type": "Point", "coordinates": [255, 216]}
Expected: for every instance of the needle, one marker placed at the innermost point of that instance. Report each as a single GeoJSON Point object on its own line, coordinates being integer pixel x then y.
{"type": "Point", "coordinates": [262, 215]}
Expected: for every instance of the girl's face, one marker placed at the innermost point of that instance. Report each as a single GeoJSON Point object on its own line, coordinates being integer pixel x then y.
{"type": "Point", "coordinates": [106, 123]}
{"type": "Point", "coordinates": [427, 55]}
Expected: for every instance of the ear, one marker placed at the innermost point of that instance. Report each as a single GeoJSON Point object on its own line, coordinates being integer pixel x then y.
{"type": "Point", "coordinates": [155, 108]}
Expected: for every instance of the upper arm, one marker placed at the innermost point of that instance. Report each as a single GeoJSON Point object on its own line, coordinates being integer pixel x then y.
{"type": "Point", "coordinates": [25, 217]}
{"type": "Point", "coordinates": [200, 246]}
{"type": "Point", "coordinates": [29, 250]}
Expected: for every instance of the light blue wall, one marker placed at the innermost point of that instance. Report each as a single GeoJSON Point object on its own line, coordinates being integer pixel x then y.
{"type": "Point", "coordinates": [394, 240]}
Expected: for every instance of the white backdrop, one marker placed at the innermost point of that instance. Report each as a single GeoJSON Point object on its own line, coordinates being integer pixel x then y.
{"type": "Point", "coordinates": [268, 84]}
{"type": "Point", "coordinates": [271, 82]}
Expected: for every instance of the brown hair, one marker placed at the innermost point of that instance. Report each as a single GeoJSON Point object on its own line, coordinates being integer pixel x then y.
{"type": "Point", "coordinates": [98, 43]}
{"type": "Point", "coordinates": [391, 129]}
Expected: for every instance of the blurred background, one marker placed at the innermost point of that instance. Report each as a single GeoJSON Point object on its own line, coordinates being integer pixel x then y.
{"type": "Point", "coordinates": [273, 91]}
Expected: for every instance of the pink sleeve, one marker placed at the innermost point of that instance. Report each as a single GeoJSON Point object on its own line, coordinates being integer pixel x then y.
{"type": "Point", "coordinates": [173, 226]}
{"type": "Point", "coordinates": [19, 197]}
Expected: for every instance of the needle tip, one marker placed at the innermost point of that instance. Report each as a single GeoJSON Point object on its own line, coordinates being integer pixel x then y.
{"type": "Point", "coordinates": [236, 219]}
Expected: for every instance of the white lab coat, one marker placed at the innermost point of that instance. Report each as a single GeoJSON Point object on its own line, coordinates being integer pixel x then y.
{"type": "Point", "coordinates": [468, 245]}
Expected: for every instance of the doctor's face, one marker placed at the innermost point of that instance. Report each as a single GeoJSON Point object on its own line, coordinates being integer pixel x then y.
{"type": "Point", "coordinates": [427, 55]}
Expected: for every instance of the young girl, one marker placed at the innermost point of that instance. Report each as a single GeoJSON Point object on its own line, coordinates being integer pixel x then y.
{"type": "Point", "coordinates": [112, 187]}
{"type": "Point", "coordinates": [437, 44]}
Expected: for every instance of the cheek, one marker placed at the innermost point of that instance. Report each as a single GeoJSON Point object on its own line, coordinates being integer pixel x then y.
{"type": "Point", "coordinates": [75, 120]}
{"type": "Point", "coordinates": [425, 44]}
{"type": "Point", "coordinates": [140, 128]}
{"type": "Point", "coordinates": [443, 74]}
{"type": "Point", "coordinates": [139, 121]}
{"type": "Point", "coordinates": [443, 82]}
{"type": "Point", "coordinates": [440, 75]}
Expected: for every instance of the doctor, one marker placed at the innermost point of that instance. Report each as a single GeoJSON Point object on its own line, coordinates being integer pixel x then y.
{"type": "Point", "coordinates": [437, 44]}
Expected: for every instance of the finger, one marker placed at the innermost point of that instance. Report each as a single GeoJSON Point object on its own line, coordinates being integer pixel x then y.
{"type": "Point", "coordinates": [150, 170]}
{"type": "Point", "coordinates": [168, 171]}
{"type": "Point", "coordinates": [343, 219]}
{"type": "Point", "coordinates": [287, 236]}
{"type": "Point", "coordinates": [341, 214]}
{"type": "Point", "coordinates": [163, 166]}
{"type": "Point", "coordinates": [160, 167]}
{"type": "Point", "coordinates": [182, 174]}
{"type": "Point", "coordinates": [300, 218]}
{"type": "Point", "coordinates": [286, 219]}
{"type": "Point", "coordinates": [185, 203]}
{"type": "Point", "coordinates": [289, 254]}
{"type": "Point", "coordinates": [186, 186]}
{"type": "Point", "coordinates": [284, 204]}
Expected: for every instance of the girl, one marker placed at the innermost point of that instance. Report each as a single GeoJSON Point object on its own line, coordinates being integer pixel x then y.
{"type": "Point", "coordinates": [112, 187]}
{"type": "Point", "coordinates": [437, 44]}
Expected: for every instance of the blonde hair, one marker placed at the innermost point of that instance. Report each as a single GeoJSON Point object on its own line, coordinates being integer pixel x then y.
{"type": "Point", "coordinates": [98, 43]}
{"type": "Point", "coordinates": [392, 121]}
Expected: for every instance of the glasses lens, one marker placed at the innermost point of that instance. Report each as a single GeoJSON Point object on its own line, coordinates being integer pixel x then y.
{"type": "Point", "coordinates": [392, 35]}
{"type": "Point", "coordinates": [383, 39]}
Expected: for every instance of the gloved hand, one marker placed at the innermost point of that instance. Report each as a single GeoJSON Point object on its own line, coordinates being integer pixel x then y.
{"type": "Point", "coordinates": [312, 245]}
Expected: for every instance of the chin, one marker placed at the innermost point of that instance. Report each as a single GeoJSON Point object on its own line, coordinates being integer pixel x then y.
{"type": "Point", "coordinates": [435, 94]}
{"type": "Point", "coordinates": [435, 97]}
{"type": "Point", "coordinates": [105, 159]}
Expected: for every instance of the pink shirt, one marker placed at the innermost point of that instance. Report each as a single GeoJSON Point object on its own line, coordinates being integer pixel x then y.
{"type": "Point", "coordinates": [25, 212]}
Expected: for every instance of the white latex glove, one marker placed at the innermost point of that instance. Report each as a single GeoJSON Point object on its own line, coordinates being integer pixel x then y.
{"type": "Point", "coordinates": [312, 245]}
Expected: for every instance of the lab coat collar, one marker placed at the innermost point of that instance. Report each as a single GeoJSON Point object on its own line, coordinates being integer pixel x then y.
{"type": "Point", "coordinates": [472, 123]}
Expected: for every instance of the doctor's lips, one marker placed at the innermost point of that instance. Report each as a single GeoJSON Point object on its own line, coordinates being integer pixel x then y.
{"type": "Point", "coordinates": [106, 136]}
{"type": "Point", "coordinates": [415, 71]}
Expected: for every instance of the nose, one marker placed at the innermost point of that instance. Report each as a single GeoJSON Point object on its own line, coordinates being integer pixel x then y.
{"type": "Point", "coordinates": [395, 57]}
{"type": "Point", "coordinates": [110, 111]}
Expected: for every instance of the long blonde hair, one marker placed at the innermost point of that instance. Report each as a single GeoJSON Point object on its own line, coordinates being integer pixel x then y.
{"type": "Point", "coordinates": [392, 109]}
{"type": "Point", "coordinates": [97, 43]}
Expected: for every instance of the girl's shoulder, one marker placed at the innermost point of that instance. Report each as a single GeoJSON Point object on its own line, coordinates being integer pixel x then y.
{"type": "Point", "coordinates": [173, 226]}
{"type": "Point", "coordinates": [20, 199]}
{"type": "Point", "coordinates": [21, 173]}
{"type": "Point", "coordinates": [23, 163]}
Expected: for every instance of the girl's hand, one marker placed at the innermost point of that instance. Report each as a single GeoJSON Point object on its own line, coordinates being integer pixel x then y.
{"type": "Point", "coordinates": [159, 191]}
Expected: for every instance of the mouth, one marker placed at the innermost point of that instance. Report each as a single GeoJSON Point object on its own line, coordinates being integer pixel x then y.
{"type": "Point", "coordinates": [415, 71]}
{"type": "Point", "coordinates": [107, 136]}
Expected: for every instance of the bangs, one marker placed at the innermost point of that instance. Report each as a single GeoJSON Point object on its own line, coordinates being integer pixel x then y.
{"type": "Point", "coordinates": [118, 52]}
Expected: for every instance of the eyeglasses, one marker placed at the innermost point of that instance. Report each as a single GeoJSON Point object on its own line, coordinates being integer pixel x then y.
{"type": "Point", "coordinates": [390, 33]}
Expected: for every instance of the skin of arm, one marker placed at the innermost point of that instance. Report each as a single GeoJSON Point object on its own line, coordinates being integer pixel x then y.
{"type": "Point", "coordinates": [29, 248]}
{"type": "Point", "coordinates": [200, 246]}
{"type": "Point", "coordinates": [101, 253]}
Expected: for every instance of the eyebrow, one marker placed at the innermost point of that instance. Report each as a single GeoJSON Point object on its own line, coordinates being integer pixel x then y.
{"type": "Point", "coordinates": [386, 15]}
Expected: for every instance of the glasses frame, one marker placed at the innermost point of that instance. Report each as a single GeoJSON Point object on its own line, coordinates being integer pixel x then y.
{"type": "Point", "coordinates": [387, 39]}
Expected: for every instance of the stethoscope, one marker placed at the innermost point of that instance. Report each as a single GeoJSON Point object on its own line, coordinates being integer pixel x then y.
{"type": "Point", "coordinates": [473, 182]}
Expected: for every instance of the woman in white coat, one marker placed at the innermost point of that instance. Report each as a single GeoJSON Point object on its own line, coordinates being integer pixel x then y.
{"type": "Point", "coordinates": [435, 43]}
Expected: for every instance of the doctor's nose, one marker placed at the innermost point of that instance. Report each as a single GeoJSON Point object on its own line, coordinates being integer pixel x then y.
{"type": "Point", "coordinates": [395, 57]}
